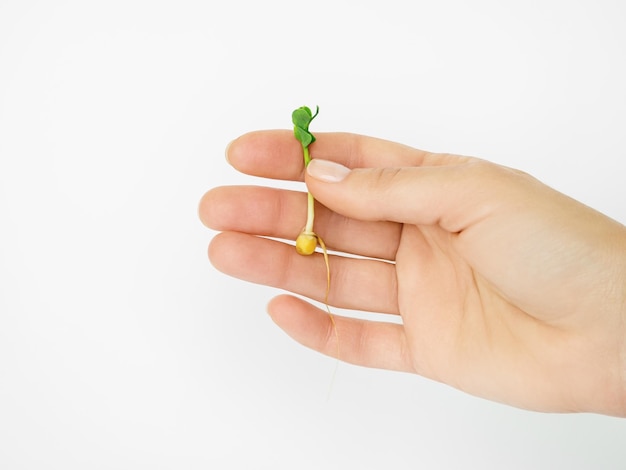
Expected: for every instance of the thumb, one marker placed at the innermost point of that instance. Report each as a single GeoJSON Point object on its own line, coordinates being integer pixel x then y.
{"type": "Point", "coordinates": [452, 196]}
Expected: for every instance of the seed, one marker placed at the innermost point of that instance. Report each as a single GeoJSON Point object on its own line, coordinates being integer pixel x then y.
{"type": "Point", "coordinates": [306, 243]}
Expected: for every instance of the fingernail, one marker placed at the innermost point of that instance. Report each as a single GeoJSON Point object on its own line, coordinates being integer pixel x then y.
{"type": "Point", "coordinates": [226, 152]}
{"type": "Point", "coordinates": [329, 172]}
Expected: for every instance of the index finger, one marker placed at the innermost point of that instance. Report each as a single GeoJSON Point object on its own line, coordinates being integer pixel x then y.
{"type": "Point", "coordinates": [277, 154]}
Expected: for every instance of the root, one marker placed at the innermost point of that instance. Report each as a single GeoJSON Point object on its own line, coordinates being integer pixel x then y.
{"type": "Point", "coordinates": [330, 315]}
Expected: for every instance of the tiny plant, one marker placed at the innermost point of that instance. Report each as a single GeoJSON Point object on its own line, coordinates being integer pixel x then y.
{"type": "Point", "coordinates": [307, 241]}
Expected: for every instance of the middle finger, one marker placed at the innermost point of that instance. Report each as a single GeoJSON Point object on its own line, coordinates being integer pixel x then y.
{"type": "Point", "coordinates": [282, 214]}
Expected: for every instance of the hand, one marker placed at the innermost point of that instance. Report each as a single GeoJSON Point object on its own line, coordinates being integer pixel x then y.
{"type": "Point", "coordinates": [507, 289]}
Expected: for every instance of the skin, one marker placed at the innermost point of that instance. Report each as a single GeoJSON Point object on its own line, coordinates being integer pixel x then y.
{"type": "Point", "coordinates": [507, 289]}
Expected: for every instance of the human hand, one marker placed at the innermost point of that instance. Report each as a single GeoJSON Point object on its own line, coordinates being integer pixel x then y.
{"type": "Point", "coordinates": [507, 289]}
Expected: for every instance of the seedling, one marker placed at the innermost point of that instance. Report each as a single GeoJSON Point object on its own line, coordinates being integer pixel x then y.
{"type": "Point", "coordinates": [307, 241]}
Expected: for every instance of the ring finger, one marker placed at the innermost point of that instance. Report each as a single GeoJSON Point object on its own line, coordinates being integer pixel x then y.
{"type": "Point", "coordinates": [359, 284]}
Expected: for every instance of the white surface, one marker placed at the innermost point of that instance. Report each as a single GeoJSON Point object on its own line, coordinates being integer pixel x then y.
{"type": "Point", "coordinates": [121, 347]}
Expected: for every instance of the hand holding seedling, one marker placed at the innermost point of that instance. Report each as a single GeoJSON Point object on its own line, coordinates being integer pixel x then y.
{"type": "Point", "coordinates": [506, 288]}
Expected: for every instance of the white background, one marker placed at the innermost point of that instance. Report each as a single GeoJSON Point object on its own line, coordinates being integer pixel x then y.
{"type": "Point", "coordinates": [121, 347]}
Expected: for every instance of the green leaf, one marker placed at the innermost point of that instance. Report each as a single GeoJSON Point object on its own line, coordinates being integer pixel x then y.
{"type": "Point", "coordinates": [302, 117]}
{"type": "Point", "coordinates": [305, 137]}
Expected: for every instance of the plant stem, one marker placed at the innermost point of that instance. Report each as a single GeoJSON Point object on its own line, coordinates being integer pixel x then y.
{"type": "Point", "coordinates": [310, 216]}
{"type": "Point", "coordinates": [310, 200]}
{"type": "Point", "coordinates": [307, 157]}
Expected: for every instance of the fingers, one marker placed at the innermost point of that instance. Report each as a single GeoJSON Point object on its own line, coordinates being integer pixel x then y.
{"type": "Point", "coordinates": [365, 343]}
{"type": "Point", "coordinates": [269, 154]}
{"type": "Point", "coordinates": [277, 154]}
{"type": "Point", "coordinates": [281, 214]}
{"type": "Point", "coordinates": [359, 284]}
{"type": "Point", "coordinates": [454, 196]}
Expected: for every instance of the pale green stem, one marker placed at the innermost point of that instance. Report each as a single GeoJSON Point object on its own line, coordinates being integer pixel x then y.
{"type": "Point", "coordinates": [310, 216]}
{"type": "Point", "coordinates": [307, 157]}
{"type": "Point", "coordinates": [311, 201]}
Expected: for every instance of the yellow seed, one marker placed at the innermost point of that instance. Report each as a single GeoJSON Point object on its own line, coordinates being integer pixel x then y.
{"type": "Point", "coordinates": [306, 243]}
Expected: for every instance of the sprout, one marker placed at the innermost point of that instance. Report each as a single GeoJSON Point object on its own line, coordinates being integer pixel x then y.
{"type": "Point", "coordinates": [307, 240]}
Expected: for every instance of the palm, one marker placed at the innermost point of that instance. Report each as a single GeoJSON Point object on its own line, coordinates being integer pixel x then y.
{"type": "Point", "coordinates": [459, 329]}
